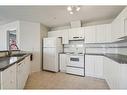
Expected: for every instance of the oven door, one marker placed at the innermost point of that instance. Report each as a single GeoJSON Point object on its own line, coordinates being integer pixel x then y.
{"type": "Point", "coordinates": [76, 61]}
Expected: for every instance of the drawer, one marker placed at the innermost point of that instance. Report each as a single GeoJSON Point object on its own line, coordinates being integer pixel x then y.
{"type": "Point", "coordinates": [76, 71]}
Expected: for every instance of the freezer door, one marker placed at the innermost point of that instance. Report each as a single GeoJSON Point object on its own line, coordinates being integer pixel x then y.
{"type": "Point", "coordinates": [50, 59]}
{"type": "Point", "coordinates": [52, 42]}
{"type": "Point", "coordinates": [49, 42]}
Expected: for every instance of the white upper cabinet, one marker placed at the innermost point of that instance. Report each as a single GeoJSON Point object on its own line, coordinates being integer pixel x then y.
{"type": "Point", "coordinates": [60, 33]}
{"type": "Point", "coordinates": [117, 29]}
{"type": "Point", "coordinates": [108, 33]}
{"type": "Point", "coordinates": [125, 25]}
{"type": "Point", "coordinates": [119, 26]}
{"type": "Point", "coordinates": [90, 34]}
{"type": "Point", "coordinates": [76, 32]}
{"type": "Point", "coordinates": [65, 36]}
{"type": "Point", "coordinates": [100, 33]}
{"type": "Point", "coordinates": [54, 34]}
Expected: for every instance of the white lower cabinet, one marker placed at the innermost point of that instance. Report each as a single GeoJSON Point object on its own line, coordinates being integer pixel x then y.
{"type": "Point", "coordinates": [15, 76]}
{"type": "Point", "coordinates": [8, 78]}
{"type": "Point", "coordinates": [94, 66]}
{"type": "Point", "coordinates": [63, 62]}
{"type": "Point", "coordinates": [23, 71]}
{"type": "Point", "coordinates": [123, 76]}
{"type": "Point", "coordinates": [115, 74]}
{"type": "Point", "coordinates": [21, 75]}
{"type": "Point", "coordinates": [111, 73]}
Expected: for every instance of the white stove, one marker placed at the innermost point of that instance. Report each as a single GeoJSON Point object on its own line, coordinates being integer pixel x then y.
{"type": "Point", "coordinates": [76, 64]}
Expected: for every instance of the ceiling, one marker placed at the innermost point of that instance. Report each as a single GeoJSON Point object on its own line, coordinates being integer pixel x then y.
{"type": "Point", "coordinates": [53, 16]}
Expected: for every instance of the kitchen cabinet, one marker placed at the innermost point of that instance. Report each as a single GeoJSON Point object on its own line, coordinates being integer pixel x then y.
{"type": "Point", "coordinates": [94, 66]}
{"type": "Point", "coordinates": [90, 34]}
{"type": "Point", "coordinates": [65, 36]}
{"type": "Point", "coordinates": [23, 71]}
{"type": "Point", "coordinates": [21, 74]}
{"type": "Point", "coordinates": [125, 26]}
{"type": "Point", "coordinates": [111, 73]}
{"type": "Point", "coordinates": [114, 74]}
{"type": "Point", "coordinates": [108, 33]}
{"type": "Point", "coordinates": [89, 65]}
{"type": "Point", "coordinates": [28, 65]}
{"type": "Point", "coordinates": [76, 32]}
{"type": "Point", "coordinates": [54, 34]}
{"type": "Point", "coordinates": [98, 66]}
{"type": "Point", "coordinates": [100, 33]}
{"type": "Point", "coordinates": [60, 33]}
{"type": "Point", "coordinates": [63, 62]}
{"type": "Point", "coordinates": [118, 27]}
{"type": "Point", "coordinates": [8, 78]}
{"type": "Point", "coordinates": [122, 76]}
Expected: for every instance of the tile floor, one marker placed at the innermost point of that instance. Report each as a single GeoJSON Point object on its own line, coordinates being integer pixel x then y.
{"type": "Point", "coordinates": [49, 80]}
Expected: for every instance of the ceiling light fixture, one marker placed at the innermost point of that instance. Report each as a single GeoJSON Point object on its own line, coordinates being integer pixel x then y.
{"type": "Point", "coordinates": [73, 9]}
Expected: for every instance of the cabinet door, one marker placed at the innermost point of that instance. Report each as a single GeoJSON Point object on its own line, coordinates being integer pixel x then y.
{"type": "Point", "coordinates": [27, 67]}
{"type": "Point", "coordinates": [63, 62]}
{"type": "Point", "coordinates": [21, 76]}
{"type": "Point", "coordinates": [123, 76]}
{"type": "Point", "coordinates": [108, 33]}
{"type": "Point", "coordinates": [54, 34]}
{"type": "Point", "coordinates": [111, 73]}
{"type": "Point", "coordinates": [117, 28]}
{"type": "Point", "coordinates": [98, 66]}
{"type": "Point", "coordinates": [65, 36]}
{"type": "Point", "coordinates": [100, 33]}
{"type": "Point", "coordinates": [50, 34]}
{"type": "Point", "coordinates": [90, 34]}
{"type": "Point", "coordinates": [125, 26]}
{"type": "Point", "coordinates": [94, 66]}
{"type": "Point", "coordinates": [8, 78]}
{"type": "Point", "coordinates": [89, 65]}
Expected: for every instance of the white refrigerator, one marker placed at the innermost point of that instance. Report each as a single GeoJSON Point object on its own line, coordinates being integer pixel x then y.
{"type": "Point", "coordinates": [52, 46]}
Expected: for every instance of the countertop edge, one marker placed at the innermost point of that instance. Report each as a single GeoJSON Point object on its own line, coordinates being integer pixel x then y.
{"type": "Point", "coordinates": [19, 60]}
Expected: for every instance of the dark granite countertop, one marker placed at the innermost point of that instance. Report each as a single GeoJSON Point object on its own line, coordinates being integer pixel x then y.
{"type": "Point", "coordinates": [8, 61]}
{"type": "Point", "coordinates": [122, 59]}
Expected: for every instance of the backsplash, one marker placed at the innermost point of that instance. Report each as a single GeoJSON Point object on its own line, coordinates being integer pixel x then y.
{"type": "Point", "coordinates": [122, 50]}
{"type": "Point", "coordinates": [80, 46]}
{"type": "Point", "coordinates": [74, 46]}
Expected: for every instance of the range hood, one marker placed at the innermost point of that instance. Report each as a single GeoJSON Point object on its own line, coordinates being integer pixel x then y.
{"type": "Point", "coordinates": [76, 24]}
